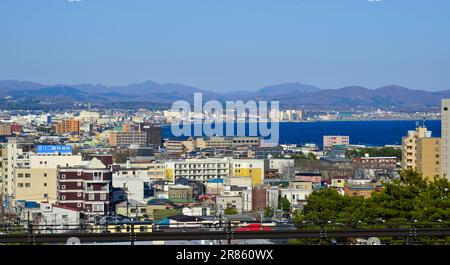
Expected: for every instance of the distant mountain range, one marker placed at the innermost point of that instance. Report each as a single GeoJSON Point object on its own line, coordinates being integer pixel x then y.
{"type": "Point", "coordinates": [289, 94]}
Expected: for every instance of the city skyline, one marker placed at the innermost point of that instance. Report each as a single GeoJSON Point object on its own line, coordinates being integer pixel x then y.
{"type": "Point", "coordinates": [244, 46]}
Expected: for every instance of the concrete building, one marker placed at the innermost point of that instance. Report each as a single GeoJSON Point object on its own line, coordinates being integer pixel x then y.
{"type": "Point", "coordinates": [13, 156]}
{"type": "Point", "coordinates": [180, 193]}
{"type": "Point", "coordinates": [224, 202]}
{"type": "Point", "coordinates": [285, 167]}
{"type": "Point", "coordinates": [85, 188]}
{"type": "Point", "coordinates": [153, 134]}
{"type": "Point", "coordinates": [331, 140]}
{"type": "Point", "coordinates": [125, 139]}
{"type": "Point", "coordinates": [259, 198]}
{"type": "Point", "coordinates": [409, 147]}
{"type": "Point", "coordinates": [429, 157]}
{"type": "Point", "coordinates": [254, 168]}
{"type": "Point", "coordinates": [67, 126]}
{"type": "Point", "coordinates": [133, 187]}
{"type": "Point", "coordinates": [5, 129]}
{"type": "Point", "coordinates": [132, 208]}
{"type": "Point", "coordinates": [197, 169]}
{"type": "Point", "coordinates": [423, 153]}
{"type": "Point", "coordinates": [445, 135]}
{"type": "Point", "coordinates": [223, 142]}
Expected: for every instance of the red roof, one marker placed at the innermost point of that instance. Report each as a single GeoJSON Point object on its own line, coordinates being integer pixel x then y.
{"type": "Point", "coordinates": [254, 227]}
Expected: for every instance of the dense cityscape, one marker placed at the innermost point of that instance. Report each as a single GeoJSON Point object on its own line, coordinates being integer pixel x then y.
{"type": "Point", "coordinates": [112, 171]}
{"type": "Point", "coordinates": [196, 132]}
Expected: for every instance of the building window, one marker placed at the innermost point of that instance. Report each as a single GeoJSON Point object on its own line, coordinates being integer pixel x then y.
{"type": "Point", "coordinates": [91, 197]}
{"type": "Point", "coordinates": [27, 175]}
{"type": "Point", "coordinates": [27, 185]}
{"type": "Point", "coordinates": [20, 175]}
{"type": "Point", "coordinates": [79, 183]}
{"type": "Point", "coordinates": [63, 197]}
{"type": "Point", "coordinates": [45, 184]}
{"type": "Point", "coordinates": [63, 187]}
{"type": "Point", "coordinates": [20, 185]}
{"type": "Point", "coordinates": [45, 174]}
{"type": "Point", "coordinates": [79, 194]}
{"type": "Point", "coordinates": [79, 204]}
{"type": "Point", "coordinates": [103, 197]}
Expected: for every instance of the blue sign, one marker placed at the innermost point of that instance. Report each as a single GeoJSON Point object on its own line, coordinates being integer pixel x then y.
{"type": "Point", "coordinates": [6, 202]}
{"type": "Point", "coordinates": [52, 149]}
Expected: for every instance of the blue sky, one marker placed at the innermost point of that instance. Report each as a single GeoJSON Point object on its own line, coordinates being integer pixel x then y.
{"type": "Point", "coordinates": [228, 44]}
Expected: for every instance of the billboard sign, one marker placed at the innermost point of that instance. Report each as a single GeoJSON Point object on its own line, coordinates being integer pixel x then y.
{"type": "Point", "coordinates": [53, 149]}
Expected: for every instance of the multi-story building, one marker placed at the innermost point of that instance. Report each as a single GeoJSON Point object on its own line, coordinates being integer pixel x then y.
{"type": "Point", "coordinates": [180, 193]}
{"type": "Point", "coordinates": [222, 142]}
{"type": "Point", "coordinates": [445, 135]}
{"type": "Point", "coordinates": [409, 147]}
{"type": "Point", "coordinates": [13, 157]}
{"type": "Point", "coordinates": [368, 162]}
{"type": "Point", "coordinates": [198, 169]}
{"type": "Point", "coordinates": [67, 126]}
{"type": "Point", "coordinates": [153, 134]}
{"type": "Point", "coordinates": [37, 181]}
{"type": "Point", "coordinates": [5, 129]}
{"type": "Point", "coordinates": [254, 168]}
{"type": "Point", "coordinates": [86, 188]}
{"type": "Point", "coordinates": [259, 198]}
{"type": "Point", "coordinates": [125, 139]}
{"type": "Point", "coordinates": [423, 153]}
{"type": "Point", "coordinates": [284, 166]}
{"type": "Point", "coordinates": [331, 140]}
{"type": "Point", "coordinates": [177, 148]}
{"type": "Point", "coordinates": [429, 152]}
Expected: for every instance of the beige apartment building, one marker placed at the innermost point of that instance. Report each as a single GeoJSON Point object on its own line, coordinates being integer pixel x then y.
{"type": "Point", "coordinates": [35, 184]}
{"type": "Point", "coordinates": [409, 147]}
{"type": "Point", "coordinates": [36, 180]}
{"type": "Point", "coordinates": [125, 139]}
{"type": "Point", "coordinates": [429, 161]}
{"type": "Point", "coordinates": [445, 135]}
{"type": "Point", "coordinates": [67, 126]}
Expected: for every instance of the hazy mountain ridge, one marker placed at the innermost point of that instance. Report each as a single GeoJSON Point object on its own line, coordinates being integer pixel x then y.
{"type": "Point", "coordinates": [287, 94]}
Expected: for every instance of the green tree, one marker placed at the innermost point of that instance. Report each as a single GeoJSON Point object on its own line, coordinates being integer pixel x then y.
{"type": "Point", "coordinates": [230, 210]}
{"type": "Point", "coordinates": [269, 212]}
{"type": "Point", "coordinates": [284, 204]}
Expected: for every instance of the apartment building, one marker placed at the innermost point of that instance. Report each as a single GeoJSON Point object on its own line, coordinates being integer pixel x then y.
{"type": "Point", "coordinates": [197, 169]}
{"type": "Point", "coordinates": [254, 168]}
{"type": "Point", "coordinates": [423, 153]}
{"type": "Point", "coordinates": [13, 157]}
{"type": "Point", "coordinates": [409, 147]}
{"type": "Point", "coordinates": [153, 134]}
{"type": "Point", "coordinates": [67, 126]}
{"type": "Point", "coordinates": [429, 157]}
{"type": "Point", "coordinates": [5, 129]}
{"type": "Point", "coordinates": [125, 139]}
{"type": "Point", "coordinates": [37, 181]}
{"type": "Point", "coordinates": [221, 142]}
{"type": "Point", "coordinates": [445, 135]}
{"type": "Point", "coordinates": [86, 188]}
{"type": "Point", "coordinates": [331, 140]}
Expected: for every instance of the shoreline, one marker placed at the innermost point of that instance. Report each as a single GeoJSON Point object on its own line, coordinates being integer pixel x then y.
{"type": "Point", "coordinates": [365, 120]}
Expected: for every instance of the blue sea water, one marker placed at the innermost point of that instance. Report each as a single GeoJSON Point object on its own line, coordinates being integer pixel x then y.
{"type": "Point", "coordinates": [370, 133]}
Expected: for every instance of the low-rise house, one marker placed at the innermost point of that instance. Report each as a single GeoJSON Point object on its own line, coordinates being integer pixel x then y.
{"type": "Point", "coordinates": [180, 193]}
{"type": "Point", "coordinates": [338, 181]}
{"type": "Point", "coordinates": [132, 208]}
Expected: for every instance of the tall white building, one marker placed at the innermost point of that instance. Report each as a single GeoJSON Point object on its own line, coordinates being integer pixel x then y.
{"type": "Point", "coordinates": [445, 135]}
